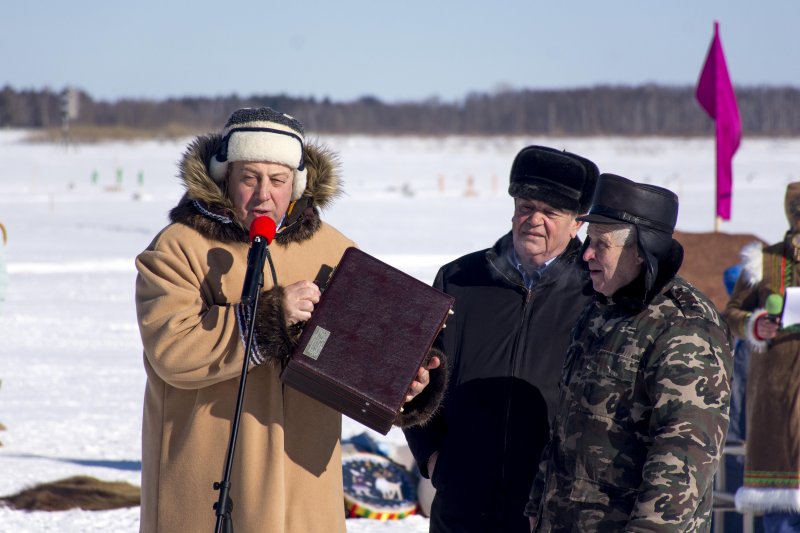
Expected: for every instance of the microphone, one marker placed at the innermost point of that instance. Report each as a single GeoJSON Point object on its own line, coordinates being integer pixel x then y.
{"type": "Point", "coordinates": [262, 231]}
{"type": "Point", "coordinates": [774, 307]}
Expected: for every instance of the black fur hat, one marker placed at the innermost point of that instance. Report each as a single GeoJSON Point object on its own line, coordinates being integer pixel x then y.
{"type": "Point", "coordinates": [558, 178]}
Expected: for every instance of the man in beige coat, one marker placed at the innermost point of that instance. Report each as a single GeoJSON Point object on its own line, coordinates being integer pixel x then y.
{"type": "Point", "coordinates": [287, 473]}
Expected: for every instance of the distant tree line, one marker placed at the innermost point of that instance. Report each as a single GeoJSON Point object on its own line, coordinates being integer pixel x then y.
{"type": "Point", "coordinates": [602, 110]}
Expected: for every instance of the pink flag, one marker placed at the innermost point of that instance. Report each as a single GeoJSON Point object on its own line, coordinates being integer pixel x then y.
{"type": "Point", "coordinates": [715, 94]}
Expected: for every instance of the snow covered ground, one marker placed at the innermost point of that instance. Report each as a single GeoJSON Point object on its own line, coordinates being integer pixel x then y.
{"type": "Point", "coordinates": [70, 354]}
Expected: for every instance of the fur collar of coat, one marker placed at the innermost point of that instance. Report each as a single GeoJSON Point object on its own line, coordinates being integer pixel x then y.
{"type": "Point", "coordinates": [752, 259]}
{"type": "Point", "coordinates": [206, 207]}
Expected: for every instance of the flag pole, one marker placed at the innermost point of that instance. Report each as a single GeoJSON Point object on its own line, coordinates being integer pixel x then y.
{"type": "Point", "coordinates": [717, 217]}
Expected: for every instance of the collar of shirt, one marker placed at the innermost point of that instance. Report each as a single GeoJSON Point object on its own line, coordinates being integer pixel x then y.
{"type": "Point", "coordinates": [528, 280]}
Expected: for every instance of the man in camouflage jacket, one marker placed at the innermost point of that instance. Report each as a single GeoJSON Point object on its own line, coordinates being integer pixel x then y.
{"type": "Point", "coordinates": [645, 389]}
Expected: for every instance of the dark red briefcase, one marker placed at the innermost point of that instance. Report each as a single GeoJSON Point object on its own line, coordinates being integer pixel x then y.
{"type": "Point", "coordinates": [366, 339]}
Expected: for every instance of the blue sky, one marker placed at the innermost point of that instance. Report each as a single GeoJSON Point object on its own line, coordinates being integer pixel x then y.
{"type": "Point", "coordinates": [396, 51]}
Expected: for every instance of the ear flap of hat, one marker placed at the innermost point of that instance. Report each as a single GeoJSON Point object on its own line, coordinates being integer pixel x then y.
{"type": "Point", "coordinates": [655, 248]}
{"type": "Point", "coordinates": [589, 184]}
{"type": "Point", "coordinates": [217, 169]}
{"type": "Point", "coordinates": [299, 183]}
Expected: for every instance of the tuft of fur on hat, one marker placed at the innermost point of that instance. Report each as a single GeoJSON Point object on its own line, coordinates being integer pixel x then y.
{"type": "Point", "coordinates": [262, 134]}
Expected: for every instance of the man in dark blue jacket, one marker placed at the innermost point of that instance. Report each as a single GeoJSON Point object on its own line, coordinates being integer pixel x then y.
{"type": "Point", "coordinates": [515, 306]}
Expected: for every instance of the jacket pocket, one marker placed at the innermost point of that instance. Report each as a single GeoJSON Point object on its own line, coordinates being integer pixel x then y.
{"type": "Point", "coordinates": [608, 383]}
{"type": "Point", "coordinates": [595, 502]}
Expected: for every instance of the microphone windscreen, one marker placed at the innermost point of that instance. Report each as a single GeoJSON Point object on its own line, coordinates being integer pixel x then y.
{"type": "Point", "coordinates": [263, 227]}
{"type": "Point", "coordinates": [774, 304]}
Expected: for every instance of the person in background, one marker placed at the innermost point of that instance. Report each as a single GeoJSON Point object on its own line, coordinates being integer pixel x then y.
{"type": "Point", "coordinates": [3, 270]}
{"type": "Point", "coordinates": [645, 388]}
{"type": "Point", "coordinates": [737, 428]}
{"type": "Point", "coordinates": [772, 448]}
{"type": "Point", "coordinates": [3, 281]}
{"type": "Point", "coordinates": [287, 470]}
{"type": "Point", "coordinates": [733, 461]}
{"type": "Point", "coordinates": [515, 305]}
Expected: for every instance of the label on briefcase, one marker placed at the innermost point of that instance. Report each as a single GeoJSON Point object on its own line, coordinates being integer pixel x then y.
{"type": "Point", "coordinates": [317, 342]}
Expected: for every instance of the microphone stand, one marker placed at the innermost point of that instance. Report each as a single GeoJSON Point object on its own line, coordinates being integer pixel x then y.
{"type": "Point", "coordinates": [224, 505]}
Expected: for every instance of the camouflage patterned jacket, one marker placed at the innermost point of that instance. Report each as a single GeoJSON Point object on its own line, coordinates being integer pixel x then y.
{"type": "Point", "coordinates": [642, 418]}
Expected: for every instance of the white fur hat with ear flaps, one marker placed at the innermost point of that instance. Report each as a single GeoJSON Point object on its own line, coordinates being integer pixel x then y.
{"type": "Point", "coordinates": [262, 134]}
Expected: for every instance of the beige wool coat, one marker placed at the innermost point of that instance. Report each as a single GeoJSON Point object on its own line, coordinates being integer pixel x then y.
{"type": "Point", "coordinates": [287, 474]}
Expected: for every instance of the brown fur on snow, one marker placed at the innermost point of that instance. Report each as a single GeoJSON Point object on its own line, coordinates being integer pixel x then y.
{"type": "Point", "coordinates": [82, 492]}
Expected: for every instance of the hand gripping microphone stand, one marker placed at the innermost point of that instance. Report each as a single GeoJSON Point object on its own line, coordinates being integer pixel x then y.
{"type": "Point", "coordinates": [262, 231]}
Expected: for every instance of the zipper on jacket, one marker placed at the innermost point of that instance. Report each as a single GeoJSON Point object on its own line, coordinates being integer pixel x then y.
{"type": "Point", "coordinates": [520, 342]}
